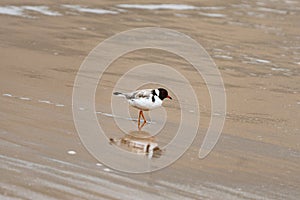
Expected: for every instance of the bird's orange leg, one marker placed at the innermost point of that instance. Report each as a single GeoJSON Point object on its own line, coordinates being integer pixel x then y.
{"type": "Point", "coordinates": [139, 120]}
{"type": "Point", "coordinates": [144, 117]}
{"type": "Point", "coordinates": [140, 127]}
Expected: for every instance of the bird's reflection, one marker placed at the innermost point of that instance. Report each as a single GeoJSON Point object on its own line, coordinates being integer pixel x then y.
{"type": "Point", "coordinates": [139, 142]}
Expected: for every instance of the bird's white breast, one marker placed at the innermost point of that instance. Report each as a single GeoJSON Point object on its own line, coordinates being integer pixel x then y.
{"type": "Point", "coordinates": [146, 103]}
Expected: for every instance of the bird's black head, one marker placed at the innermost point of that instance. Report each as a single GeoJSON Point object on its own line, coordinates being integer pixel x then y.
{"type": "Point", "coordinates": [163, 93]}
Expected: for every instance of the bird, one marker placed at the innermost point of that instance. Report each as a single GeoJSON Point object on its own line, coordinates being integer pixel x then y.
{"type": "Point", "coordinates": [145, 100]}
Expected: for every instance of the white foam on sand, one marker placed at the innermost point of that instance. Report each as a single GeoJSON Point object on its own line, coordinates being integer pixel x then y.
{"type": "Point", "coordinates": [107, 169]}
{"type": "Point", "coordinates": [115, 116]}
{"type": "Point", "coordinates": [20, 10]}
{"type": "Point", "coordinates": [30, 99]}
{"type": "Point", "coordinates": [212, 8]}
{"type": "Point", "coordinates": [42, 9]}
{"type": "Point", "coordinates": [45, 101]}
{"type": "Point", "coordinates": [120, 117]}
{"type": "Point", "coordinates": [158, 6]}
{"type": "Point", "coordinates": [12, 10]}
{"type": "Point", "coordinates": [217, 15]}
{"type": "Point", "coordinates": [79, 8]}
{"type": "Point", "coordinates": [271, 10]}
{"type": "Point", "coordinates": [71, 152]}
{"type": "Point", "coordinates": [257, 60]}
{"type": "Point", "coordinates": [291, 2]}
{"type": "Point", "coordinates": [223, 57]}
{"type": "Point", "coordinates": [24, 98]}
{"type": "Point", "coordinates": [7, 95]}
{"type": "Point", "coordinates": [280, 69]}
{"type": "Point", "coordinates": [262, 61]}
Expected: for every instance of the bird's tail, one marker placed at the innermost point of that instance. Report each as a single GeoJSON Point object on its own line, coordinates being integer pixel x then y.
{"type": "Point", "coordinates": [118, 93]}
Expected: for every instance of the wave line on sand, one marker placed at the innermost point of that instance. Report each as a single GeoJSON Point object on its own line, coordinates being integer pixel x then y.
{"type": "Point", "coordinates": [121, 117]}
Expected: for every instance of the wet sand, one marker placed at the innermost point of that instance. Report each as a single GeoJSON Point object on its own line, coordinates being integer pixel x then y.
{"type": "Point", "coordinates": [254, 44]}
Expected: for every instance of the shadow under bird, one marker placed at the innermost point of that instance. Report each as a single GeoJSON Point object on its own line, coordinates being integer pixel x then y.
{"type": "Point", "coordinates": [145, 100]}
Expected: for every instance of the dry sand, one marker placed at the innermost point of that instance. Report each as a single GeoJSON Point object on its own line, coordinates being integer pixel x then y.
{"type": "Point", "coordinates": [254, 44]}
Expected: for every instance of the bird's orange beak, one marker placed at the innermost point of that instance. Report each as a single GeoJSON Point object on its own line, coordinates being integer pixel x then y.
{"type": "Point", "coordinates": [169, 97]}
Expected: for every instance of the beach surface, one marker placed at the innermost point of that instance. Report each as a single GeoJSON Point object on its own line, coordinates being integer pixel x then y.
{"type": "Point", "coordinates": [256, 46]}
